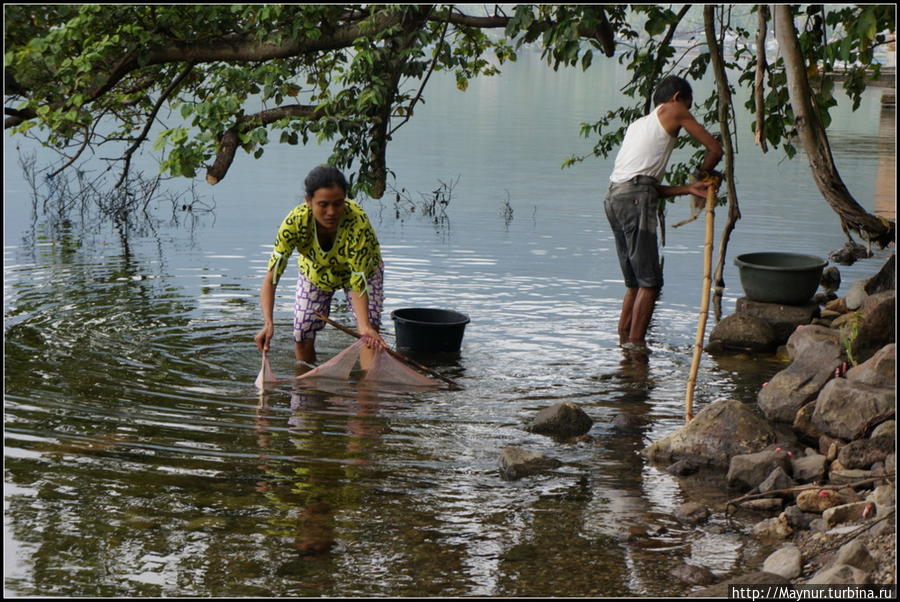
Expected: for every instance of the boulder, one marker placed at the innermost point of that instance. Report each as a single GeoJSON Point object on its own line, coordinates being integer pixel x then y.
{"type": "Point", "coordinates": [776, 481]}
{"type": "Point", "coordinates": [721, 430]}
{"type": "Point", "coordinates": [803, 422]}
{"type": "Point", "coordinates": [844, 476]}
{"type": "Point", "coordinates": [830, 446]}
{"type": "Point", "coordinates": [849, 253]}
{"type": "Point", "coordinates": [816, 352]}
{"type": "Point", "coordinates": [745, 332]}
{"type": "Point", "coordinates": [847, 513]}
{"type": "Point", "coordinates": [885, 499]}
{"type": "Point", "coordinates": [629, 423]}
{"type": "Point", "coordinates": [819, 500]}
{"type": "Point", "coordinates": [682, 468]}
{"type": "Point", "coordinates": [844, 407]}
{"type": "Point", "coordinates": [808, 468]}
{"type": "Point", "coordinates": [563, 419]}
{"type": "Point", "coordinates": [878, 371]}
{"type": "Point", "coordinates": [888, 428]}
{"type": "Point", "coordinates": [759, 578]}
{"type": "Point", "coordinates": [862, 453]}
{"type": "Point", "coordinates": [746, 471]}
{"type": "Point", "coordinates": [783, 319]}
{"type": "Point", "coordinates": [692, 512]}
{"type": "Point", "coordinates": [516, 463]}
{"type": "Point", "coordinates": [856, 555]}
{"type": "Point", "coordinates": [848, 322]}
{"type": "Point", "coordinates": [856, 295]}
{"type": "Point", "coordinates": [885, 279]}
{"type": "Point", "coordinates": [877, 327]}
{"type": "Point", "coordinates": [776, 528]}
{"type": "Point", "coordinates": [785, 561]}
{"type": "Point", "coordinates": [824, 299]}
{"type": "Point", "coordinates": [693, 575]}
{"type": "Point", "coordinates": [838, 306]}
{"type": "Point", "coordinates": [799, 519]}
{"type": "Point", "coordinates": [831, 279]}
{"type": "Point", "coordinates": [839, 574]}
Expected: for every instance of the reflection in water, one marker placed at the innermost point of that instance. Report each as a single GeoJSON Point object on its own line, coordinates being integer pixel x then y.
{"type": "Point", "coordinates": [886, 177]}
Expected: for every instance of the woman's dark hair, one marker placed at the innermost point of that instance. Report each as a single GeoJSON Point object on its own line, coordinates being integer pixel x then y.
{"type": "Point", "coordinates": [324, 176]}
{"type": "Point", "coordinates": [669, 86]}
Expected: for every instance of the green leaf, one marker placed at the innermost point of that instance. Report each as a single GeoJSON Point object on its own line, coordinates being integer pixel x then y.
{"type": "Point", "coordinates": [655, 26]}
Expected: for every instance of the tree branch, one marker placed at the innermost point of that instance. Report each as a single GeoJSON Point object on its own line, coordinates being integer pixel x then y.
{"type": "Point", "coordinates": [150, 119]}
{"type": "Point", "coordinates": [231, 138]}
{"type": "Point", "coordinates": [415, 101]}
{"type": "Point", "coordinates": [73, 158]}
{"type": "Point", "coordinates": [660, 62]}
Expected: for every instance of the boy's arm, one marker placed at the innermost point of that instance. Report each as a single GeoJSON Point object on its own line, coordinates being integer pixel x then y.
{"type": "Point", "coordinates": [698, 189]}
{"type": "Point", "coordinates": [699, 133]}
{"type": "Point", "coordinates": [674, 115]}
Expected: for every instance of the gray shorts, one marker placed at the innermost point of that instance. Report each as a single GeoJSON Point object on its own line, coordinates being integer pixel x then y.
{"type": "Point", "coordinates": [631, 209]}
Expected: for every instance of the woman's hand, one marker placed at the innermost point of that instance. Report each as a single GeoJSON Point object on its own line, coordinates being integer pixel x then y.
{"type": "Point", "coordinates": [264, 337]}
{"type": "Point", "coordinates": [372, 338]}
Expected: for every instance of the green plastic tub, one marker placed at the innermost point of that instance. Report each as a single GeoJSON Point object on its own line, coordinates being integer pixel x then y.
{"type": "Point", "coordinates": [785, 278]}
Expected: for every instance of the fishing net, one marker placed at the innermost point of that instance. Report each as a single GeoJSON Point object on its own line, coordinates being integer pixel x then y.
{"type": "Point", "coordinates": [265, 373]}
{"type": "Point", "coordinates": [384, 369]}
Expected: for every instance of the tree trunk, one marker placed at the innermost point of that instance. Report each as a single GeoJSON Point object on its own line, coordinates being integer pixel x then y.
{"type": "Point", "coordinates": [815, 141]}
{"type": "Point", "coordinates": [725, 108]}
{"type": "Point", "coordinates": [761, 66]}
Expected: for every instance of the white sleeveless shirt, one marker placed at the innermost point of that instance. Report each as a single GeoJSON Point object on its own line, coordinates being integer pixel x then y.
{"type": "Point", "coordinates": [645, 150]}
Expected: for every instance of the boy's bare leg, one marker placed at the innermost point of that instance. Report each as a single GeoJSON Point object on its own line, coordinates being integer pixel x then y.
{"type": "Point", "coordinates": [642, 312]}
{"type": "Point", "coordinates": [626, 316]}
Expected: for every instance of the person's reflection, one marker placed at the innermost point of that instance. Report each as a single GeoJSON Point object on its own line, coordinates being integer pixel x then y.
{"type": "Point", "coordinates": [634, 368]}
{"type": "Point", "coordinates": [310, 486]}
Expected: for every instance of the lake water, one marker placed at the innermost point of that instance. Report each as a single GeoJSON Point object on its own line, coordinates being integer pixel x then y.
{"type": "Point", "coordinates": [141, 461]}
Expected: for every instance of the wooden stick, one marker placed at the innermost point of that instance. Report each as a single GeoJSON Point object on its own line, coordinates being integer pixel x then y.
{"type": "Point", "coordinates": [799, 488]}
{"type": "Point", "coordinates": [391, 352]}
{"type": "Point", "coordinates": [712, 185]}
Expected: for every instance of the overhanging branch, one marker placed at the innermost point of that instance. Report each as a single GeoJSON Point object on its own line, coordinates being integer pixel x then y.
{"type": "Point", "coordinates": [231, 138]}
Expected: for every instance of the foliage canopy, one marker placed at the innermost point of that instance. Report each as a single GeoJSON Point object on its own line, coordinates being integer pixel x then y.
{"type": "Point", "coordinates": [209, 79]}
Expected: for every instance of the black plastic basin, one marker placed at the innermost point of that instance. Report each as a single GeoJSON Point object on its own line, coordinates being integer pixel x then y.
{"type": "Point", "coordinates": [786, 278]}
{"type": "Point", "coordinates": [429, 330]}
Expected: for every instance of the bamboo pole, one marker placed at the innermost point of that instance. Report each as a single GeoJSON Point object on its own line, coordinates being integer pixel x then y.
{"type": "Point", "coordinates": [712, 186]}
{"type": "Point", "coordinates": [391, 352]}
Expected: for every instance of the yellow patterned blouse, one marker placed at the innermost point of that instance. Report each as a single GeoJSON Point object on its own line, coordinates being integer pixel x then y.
{"type": "Point", "coordinates": [351, 261]}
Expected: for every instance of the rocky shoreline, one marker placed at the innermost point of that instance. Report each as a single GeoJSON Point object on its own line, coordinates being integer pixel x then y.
{"type": "Point", "coordinates": [817, 456]}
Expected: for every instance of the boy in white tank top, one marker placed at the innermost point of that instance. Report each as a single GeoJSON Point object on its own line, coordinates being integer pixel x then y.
{"type": "Point", "coordinates": [632, 199]}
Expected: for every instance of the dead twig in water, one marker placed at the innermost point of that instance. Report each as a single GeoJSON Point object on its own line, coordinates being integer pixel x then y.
{"type": "Point", "coordinates": [753, 496]}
